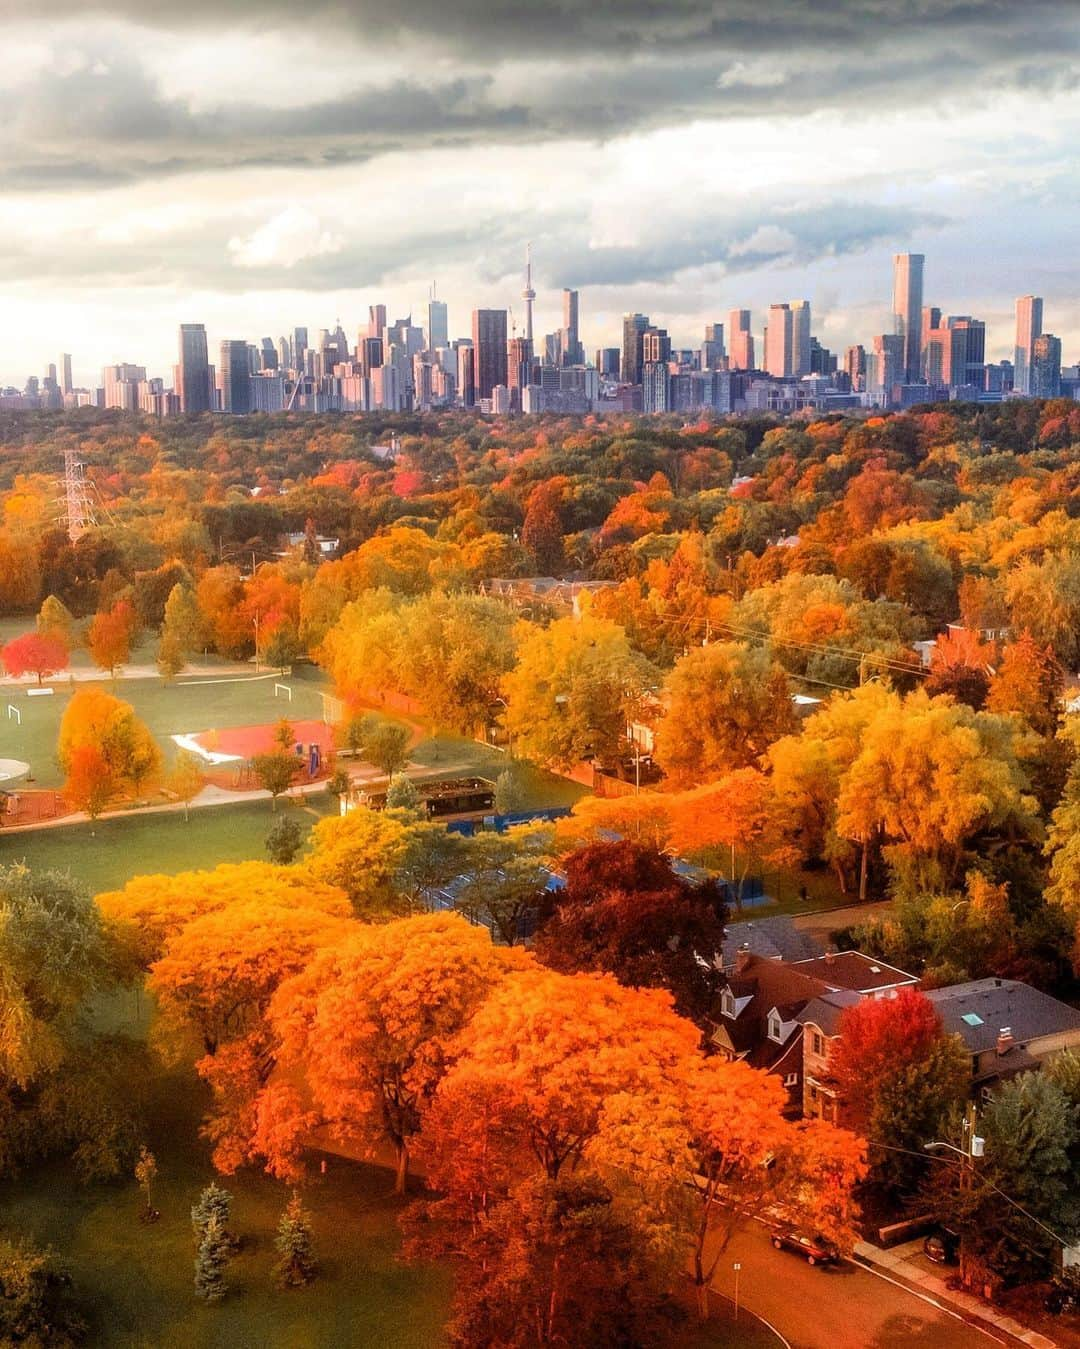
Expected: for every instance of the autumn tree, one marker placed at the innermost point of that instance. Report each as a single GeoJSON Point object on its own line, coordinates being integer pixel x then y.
{"type": "Point", "coordinates": [725, 704]}
{"type": "Point", "coordinates": [505, 877]}
{"type": "Point", "coordinates": [61, 1090]}
{"type": "Point", "coordinates": [625, 911]}
{"type": "Point", "coordinates": [110, 635]}
{"type": "Point", "coordinates": [542, 531]}
{"type": "Point", "coordinates": [274, 772]}
{"type": "Point", "coordinates": [1044, 600]}
{"type": "Point", "coordinates": [361, 852]}
{"type": "Point", "coordinates": [574, 688]}
{"type": "Point", "coordinates": [34, 653]}
{"type": "Point", "coordinates": [55, 620]}
{"type": "Point", "coordinates": [213, 983]}
{"type": "Point", "coordinates": [930, 776]}
{"type": "Point", "coordinates": [126, 750]}
{"type": "Point", "coordinates": [185, 779]}
{"type": "Point", "coordinates": [385, 744]}
{"type": "Point", "coordinates": [369, 1025]}
{"type": "Point", "coordinates": [90, 784]}
{"type": "Point", "coordinates": [960, 667]}
{"type": "Point", "coordinates": [898, 1074]}
{"type": "Point", "coordinates": [1029, 682]}
{"type": "Point", "coordinates": [36, 1302]}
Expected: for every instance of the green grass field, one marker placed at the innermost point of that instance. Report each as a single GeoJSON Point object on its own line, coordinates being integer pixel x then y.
{"type": "Point", "coordinates": [167, 709]}
{"type": "Point", "coordinates": [117, 849]}
{"type": "Point", "coordinates": [134, 1282]}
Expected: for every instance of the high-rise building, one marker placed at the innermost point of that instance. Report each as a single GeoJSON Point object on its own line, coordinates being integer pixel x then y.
{"type": "Point", "coordinates": [712, 349]}
{"type": "Point", "coordinates": [1046, 366]}
{"type": "Point", "coordinates": [655, 386]}
{"type": "Point", "coordinates": [778, 341]}
{"type": "Point", "coordinates": [234, 377]}
{"type": "Point", "coordinates": [572, 353]}
{"type": "Point", "coordinates": [519, 368]}
{"type": "Point", "coordinates": [268, 354]}
{"type": "Point", "coordinates": [633, 326]}
{"type": "Point", "coordinates": [489, 349]}
{"type": "Point", "coordinates": [801, 362]}
{"type": "Point", "coordinates": [65, 373]}
{"type": "Point", "coordinates": [907, 311]}
{"type": "Point", "coordinates": [885, 367]}
{"type": "Point", "coordinates": [121, 385]}
{"type": "Point", "coordinates": [655, 346]}
{"type": "Point", "coordinates": [466, 372]}
{"type": "Point", "coordinates": [741, 339]}
{"type": "Point", "coordinates": [1029, 321]}
{"type": "Point", "coordinates": [299, 349]}
{"type": "Point", "coordinates": [855, 367]}
{"type": "Point", "coordinates": [376, 320]}
{"type": "Point", "coordinates": [607, 361]}
{"type": "Point", "coordinates": [438, 333]}
{"type": "Point", "coordinates": [194, 388]}
{"type": "Point", "coordinates": [955, 352]}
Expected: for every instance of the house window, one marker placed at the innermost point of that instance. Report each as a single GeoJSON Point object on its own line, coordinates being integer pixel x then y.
{"type": "Point", "coordinates": [791, 1080]}
{"type": "Point", "coordinates": [727, 1003]}
{"type": "Point", "coordinates": [775, 1027]}
{"type": "Point", "coordinates": [817, 1041]}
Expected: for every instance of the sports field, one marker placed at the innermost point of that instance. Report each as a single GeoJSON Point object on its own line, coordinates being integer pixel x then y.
{"type": "Point", "coordinates": [186, 707]}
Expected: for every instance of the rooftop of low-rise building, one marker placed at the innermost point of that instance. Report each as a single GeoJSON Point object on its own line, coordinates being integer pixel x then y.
{"type": "Point", "coordinates": [980, 1011]}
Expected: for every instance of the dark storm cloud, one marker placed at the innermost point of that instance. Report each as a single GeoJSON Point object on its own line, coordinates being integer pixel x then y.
{"type": "Point", "coordinates": [598, 69]}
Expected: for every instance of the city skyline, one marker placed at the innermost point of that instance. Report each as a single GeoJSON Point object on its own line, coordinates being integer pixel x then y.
{"type": "Point", "coordinates": [152, 181]}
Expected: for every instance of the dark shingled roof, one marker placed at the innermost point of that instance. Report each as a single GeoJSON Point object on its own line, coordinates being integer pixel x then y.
{"type": "Point", "coordinates": [998, 1003]}
{"type": "Point", "coordinates": [776, 937]}
{"type": "Point", "coordinates": [851, 969]}
{"type": "Point", "coordinates": [826, 1011]}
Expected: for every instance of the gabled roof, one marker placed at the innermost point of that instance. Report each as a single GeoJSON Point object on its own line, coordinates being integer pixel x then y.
{"type": "Point", "coordinates": [775, 937]}
{"type": "Point", "coordinates": [978, 1010]}
{"type": "Point", "coordinates": [852, 969]}
{"type": "Point", "coordinates": [825, 1012]}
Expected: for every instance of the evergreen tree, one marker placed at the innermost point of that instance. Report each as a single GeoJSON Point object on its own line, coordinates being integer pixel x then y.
{"type": "Point", "coordinates": [214, 1202]}
{"type": "Point", "coordinates": [402, 794]}
{"type": "Point", "coordinates": [211, 1261]}
{"type": "Point", "coordinates": [297, 1264]}
{"type": "Point", "coordinates": [284, 841]}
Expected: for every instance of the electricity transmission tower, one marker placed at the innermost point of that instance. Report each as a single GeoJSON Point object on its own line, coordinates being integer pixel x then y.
{"type": "Point", "coordinates": [76, 506]}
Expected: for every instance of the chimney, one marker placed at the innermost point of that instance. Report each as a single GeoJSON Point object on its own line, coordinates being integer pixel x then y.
{"type": "Point", "coordinates": [742, 959]}
{"type": "Point", "coordinates": [1005, 1040]}
{"type": "Point", "coordinates": [830, 956]}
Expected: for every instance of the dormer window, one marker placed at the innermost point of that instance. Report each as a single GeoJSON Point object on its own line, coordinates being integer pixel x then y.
{"type": "Point", "coordinates": [776, 1027]}
{"type": "Point", "coordinates": [727, 1004]}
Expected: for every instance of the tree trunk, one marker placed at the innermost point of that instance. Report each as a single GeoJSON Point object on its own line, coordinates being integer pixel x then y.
{"type": "Point", "coordinates": [401, 1175]}
{"type": "Point", "coordinates": [863, 867]}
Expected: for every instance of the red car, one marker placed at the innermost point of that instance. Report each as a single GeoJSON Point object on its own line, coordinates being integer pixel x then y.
{"type": "Point", "coordinates": [815, 1250]}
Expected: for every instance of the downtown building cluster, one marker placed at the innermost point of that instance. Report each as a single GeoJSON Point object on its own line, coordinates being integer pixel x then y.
{"type": "Point", "coordinates": [397, 365]}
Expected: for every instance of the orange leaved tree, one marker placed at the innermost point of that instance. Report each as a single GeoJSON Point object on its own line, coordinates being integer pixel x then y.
{"type": "Point", "coordinates": [366, 1032]}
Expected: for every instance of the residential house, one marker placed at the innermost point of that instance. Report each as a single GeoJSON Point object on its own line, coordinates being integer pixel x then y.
{"type": "Point", "coordinates": [764, 1001]}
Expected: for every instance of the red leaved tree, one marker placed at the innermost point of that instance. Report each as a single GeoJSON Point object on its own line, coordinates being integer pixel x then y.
{"type": "Point", "coordinates": [33, 653]}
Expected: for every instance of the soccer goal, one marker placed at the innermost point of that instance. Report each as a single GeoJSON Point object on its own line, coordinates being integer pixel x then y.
{"type": "Point", "coordinates": [283, 691]}
{"type": "Point", "coordinates": [13, 714]}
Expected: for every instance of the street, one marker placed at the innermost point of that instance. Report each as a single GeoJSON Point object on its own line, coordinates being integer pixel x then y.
{"type": "Point", "coordinates": [836, 1308]}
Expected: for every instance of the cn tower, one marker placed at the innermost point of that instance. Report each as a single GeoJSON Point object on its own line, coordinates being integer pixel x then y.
{"type": "Point", "coordinates": [528, 295]}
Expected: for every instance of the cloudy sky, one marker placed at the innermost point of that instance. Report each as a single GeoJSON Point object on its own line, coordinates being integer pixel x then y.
{"type": "Point", "coordinates": [253, 164]}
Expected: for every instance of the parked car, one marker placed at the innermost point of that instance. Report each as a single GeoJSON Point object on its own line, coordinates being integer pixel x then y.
{"type": "Point", "coordinates": [814, 1249]}
{"type": "Point", "coordinates": [942, 1246]}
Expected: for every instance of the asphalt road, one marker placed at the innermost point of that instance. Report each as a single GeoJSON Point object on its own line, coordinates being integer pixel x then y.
{"type": "Point", "coordinates": [821, 924]}
{"type": "Point", "coordinates": [846, 1307]}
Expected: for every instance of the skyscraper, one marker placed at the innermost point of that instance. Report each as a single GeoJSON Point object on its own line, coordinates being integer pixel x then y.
{"type": "Point", "coordinates": [907, 310]}
{"type": "Point", "coordinates": [571, 340]}
{"type": "Point", "coordinates": [633, 326]}
{"type": "Point", "coordinates": [655, 346]}
{"type": "Point", "coordinates": [712, 349]}
{"type": "Point", "coordinates": [1046, 366]}
{"type": "Point", "coordinates": [438, 334]}
{"type": "Point", "coordinates": [299, 349]}
{"type": "Point", "coordinates": [801, 361]}
{"type": "Point", "coordinates": [194, 369]}
{"type": "Point", "coordinates": [234, 377]}
{"type": "Point", "coordinates": [741, 339]}
{"type": "Point", "coordinates": [489, 349]}
{"type": "Point", "coordinates": [778, 340]}
{"type": "Point", "coordinates": [1029, 321]}
{"type": "Point", "coordinates": [65, 373]}
{"type": "Point", "coordinates": [885, 368]}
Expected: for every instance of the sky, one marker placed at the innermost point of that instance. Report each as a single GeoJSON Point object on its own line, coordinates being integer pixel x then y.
{"type": "Point", "coordinates": [254, 165]}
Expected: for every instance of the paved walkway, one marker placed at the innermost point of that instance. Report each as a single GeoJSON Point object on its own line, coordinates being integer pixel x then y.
{"type": "Point", "coordinates": [91, 674]}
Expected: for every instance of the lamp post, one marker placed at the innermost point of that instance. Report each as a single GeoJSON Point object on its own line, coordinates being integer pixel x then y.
{"type": "Point", "coordinates": [736, 1267]}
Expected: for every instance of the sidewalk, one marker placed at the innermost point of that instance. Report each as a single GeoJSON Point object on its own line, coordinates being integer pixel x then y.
{"type": "Point", "coordinates": [898, 1264]}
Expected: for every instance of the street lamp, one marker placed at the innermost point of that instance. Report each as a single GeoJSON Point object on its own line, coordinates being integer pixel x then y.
{"type": "Point", "coordinates": [736, 1266]}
